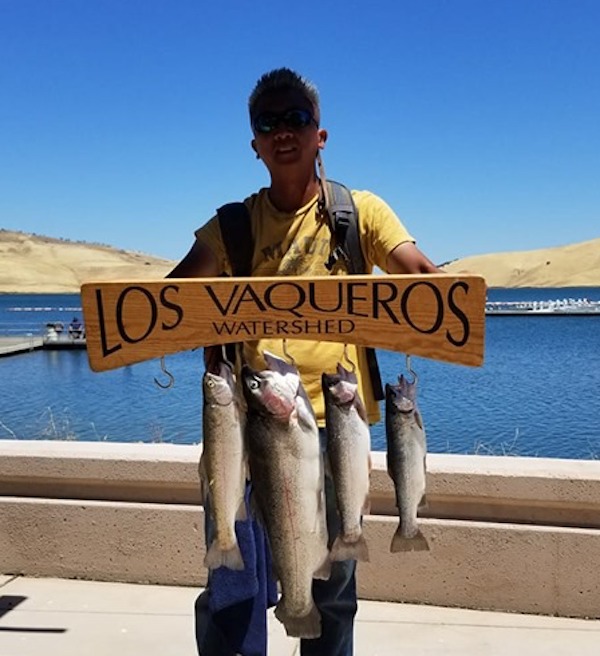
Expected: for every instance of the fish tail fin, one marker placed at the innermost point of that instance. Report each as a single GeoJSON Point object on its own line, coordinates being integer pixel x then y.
{"type": "Point", "coordinates": [401, 543]}
{"type": "Point", "coordinates": [357, 550]}
{"type": "Point", "coordinates": [307, 626]}
{"type": "Point", "coordinates": [230, 558]}
{"type": "Point", "coordinates": [323, 571]}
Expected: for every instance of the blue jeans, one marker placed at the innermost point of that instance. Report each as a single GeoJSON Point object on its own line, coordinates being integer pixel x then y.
{"type": "Point", "coordinates": [335, 599]}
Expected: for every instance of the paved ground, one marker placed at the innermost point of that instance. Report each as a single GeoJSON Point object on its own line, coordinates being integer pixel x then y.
{"type": "Point", "coordinates": [55, 617]}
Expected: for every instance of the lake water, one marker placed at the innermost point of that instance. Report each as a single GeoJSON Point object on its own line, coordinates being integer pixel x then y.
{"type": "Point", "coordinates": [537, 393]}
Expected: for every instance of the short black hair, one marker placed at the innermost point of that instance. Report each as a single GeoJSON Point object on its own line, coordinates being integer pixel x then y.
{"type": "Point", "coordinates": [283, 79]}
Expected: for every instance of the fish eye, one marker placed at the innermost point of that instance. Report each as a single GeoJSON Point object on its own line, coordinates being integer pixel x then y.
{"type": "Point", "coordinates": [253, 384]}
{"type": "Point", "coordinates": [210, 382]}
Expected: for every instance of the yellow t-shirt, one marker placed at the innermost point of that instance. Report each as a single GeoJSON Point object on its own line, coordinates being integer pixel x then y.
{"type": "Point", "coordinates": [298, 244]}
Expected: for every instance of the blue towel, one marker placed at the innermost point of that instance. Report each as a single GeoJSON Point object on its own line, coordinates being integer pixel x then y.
{"type": "Point", "coordinates": [239, 600]}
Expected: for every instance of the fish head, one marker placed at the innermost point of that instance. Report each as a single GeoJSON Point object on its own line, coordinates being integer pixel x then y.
{"type": "Point", "coordinates": [345, 374]}
{"type": "Point", "coordinates": [397, 399]}
{"type": "Point", "coordinates": [270, 392]}
{"type": "Point", "coordinates": [408, 389]}
{"type": "Point", "coordinates": [219, 388]}
{"type": "Point", "coordinates": [337, 389]}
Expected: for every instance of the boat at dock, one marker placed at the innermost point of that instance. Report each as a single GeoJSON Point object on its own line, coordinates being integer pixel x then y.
{"type": "Point", "coordinates": [559, 307]}
{"type": "Point", "coordinates": [56, 337]}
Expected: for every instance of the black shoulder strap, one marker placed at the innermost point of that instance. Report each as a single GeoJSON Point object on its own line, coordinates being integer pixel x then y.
{"type": "Point", "coordinates": [343, 222]}
{"type": "Point", "coordinates": [236, 233]}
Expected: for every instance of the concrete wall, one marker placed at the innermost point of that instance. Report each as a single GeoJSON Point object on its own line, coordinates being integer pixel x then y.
{"type": "Point", "coordinates": [506, 533]}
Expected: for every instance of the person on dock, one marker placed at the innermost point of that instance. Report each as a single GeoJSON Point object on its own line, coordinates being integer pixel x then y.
{"type": "Point", "coordinates": [76, 329]}
{"type": "Point", "coordinates": [292, 237]}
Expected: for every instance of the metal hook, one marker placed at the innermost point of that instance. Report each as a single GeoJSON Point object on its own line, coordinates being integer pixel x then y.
{"type": "Point", "coordinates": [410, 369]}
{"type": "Point", "coordinates": [287, 354]}
{"type": "Point", "coordinates": [348, 360]}
{"type": "Point", "coordinates": [168, 373]}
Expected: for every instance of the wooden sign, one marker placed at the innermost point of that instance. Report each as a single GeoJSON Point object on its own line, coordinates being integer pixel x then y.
{"type": "Point", "coordinates": [437, 316]}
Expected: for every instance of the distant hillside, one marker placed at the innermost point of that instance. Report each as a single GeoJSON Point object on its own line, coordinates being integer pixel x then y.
{"type": "Point", "coordinates": [37, 264]}
{"type": "Point", "coordinates": [575, 265]}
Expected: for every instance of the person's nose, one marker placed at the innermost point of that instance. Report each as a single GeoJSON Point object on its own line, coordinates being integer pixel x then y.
{"type": "Point", "coordinates": [282, 131]}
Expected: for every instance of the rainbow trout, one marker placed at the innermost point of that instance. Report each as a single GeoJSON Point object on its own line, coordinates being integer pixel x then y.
{"type": "Point", "coordinates": [286, 467]}
{"type": "Point", "coordinates": [406, 451]}
{"type": "Point", "coordinates": [349, 452]}
{"type": "Point", "coordinates": [223, 464]}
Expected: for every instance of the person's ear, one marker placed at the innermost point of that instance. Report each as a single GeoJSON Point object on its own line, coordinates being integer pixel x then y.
{"type": "Point", "coordinates": [322, 138]}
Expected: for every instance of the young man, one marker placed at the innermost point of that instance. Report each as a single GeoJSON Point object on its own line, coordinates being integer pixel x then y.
{"type": "Point", "coordinates": [291, 237]}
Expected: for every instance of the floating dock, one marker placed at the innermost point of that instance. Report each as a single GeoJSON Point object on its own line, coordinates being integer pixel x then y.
{"type": "Point", "coordinates": [27, 343]}
{"type": "Point", "coordinates": [564, 307]}
{"type": "Point", "coordinates": [20, 344]}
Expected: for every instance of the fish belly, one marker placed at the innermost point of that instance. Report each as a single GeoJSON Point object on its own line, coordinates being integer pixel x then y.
{"type": "Point", "coordinates": [289, 487]}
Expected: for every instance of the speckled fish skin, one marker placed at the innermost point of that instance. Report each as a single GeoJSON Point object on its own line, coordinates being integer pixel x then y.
{"type": "Point", "coordinates": [223, 464]}
{"type": "Point", "coordinates": [406, 452]}
{"type": "Point", "coordinates": [349, 453]}
{"type": "Point", "coordinates": [286, 467]}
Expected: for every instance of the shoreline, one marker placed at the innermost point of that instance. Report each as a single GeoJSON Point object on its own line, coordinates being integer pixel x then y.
{"type": "Point", "coordinates": [34, 264]}
{"type": "Point", "coordinates": [29, 292]}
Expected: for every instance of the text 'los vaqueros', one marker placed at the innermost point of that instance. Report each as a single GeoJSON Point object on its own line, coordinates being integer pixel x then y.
{"type": "Point", "coordinates": [299, 309]}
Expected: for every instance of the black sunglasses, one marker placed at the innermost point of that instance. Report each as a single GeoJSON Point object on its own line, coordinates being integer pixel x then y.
{"type": "Point", "coordinates": [292, 118]}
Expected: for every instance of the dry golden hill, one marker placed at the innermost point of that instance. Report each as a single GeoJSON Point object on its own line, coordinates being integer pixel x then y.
{"type": "Point", "coordinates": [36, 264]}
{"type": "Point", "coordinates": [575, 265]}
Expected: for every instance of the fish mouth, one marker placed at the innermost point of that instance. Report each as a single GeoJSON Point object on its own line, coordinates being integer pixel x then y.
{"type": "Point", "coordinates": [343, 392]}
{"type": "Point", "coordinates": [405, 406]}
{"type": "Point", "coordinates": [398, 398]}
{"type": "Point", "coordinates": [276, 399]}
{"type": "Point", "coordinates": [406, 387]}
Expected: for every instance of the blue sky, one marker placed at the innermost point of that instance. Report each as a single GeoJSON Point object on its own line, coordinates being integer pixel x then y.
{"type": "Point", "coordinates": [124, 122]}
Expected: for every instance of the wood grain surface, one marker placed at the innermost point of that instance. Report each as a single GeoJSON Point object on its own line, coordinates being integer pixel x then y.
{"type": "Point", "coordinates": [437, 316]}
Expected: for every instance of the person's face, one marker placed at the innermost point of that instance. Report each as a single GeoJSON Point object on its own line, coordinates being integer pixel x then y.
{"type": "Point", "coordinates": [289, 144]}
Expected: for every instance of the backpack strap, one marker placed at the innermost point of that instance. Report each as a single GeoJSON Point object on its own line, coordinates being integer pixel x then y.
{"type": "Point", "coordinates": [236, 233]}
{"type": "Point", "coordinates": [343, 223]}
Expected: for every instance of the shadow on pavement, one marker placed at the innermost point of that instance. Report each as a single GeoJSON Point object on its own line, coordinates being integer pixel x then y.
{"type": "Point", "coordinates": [10, 602]}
